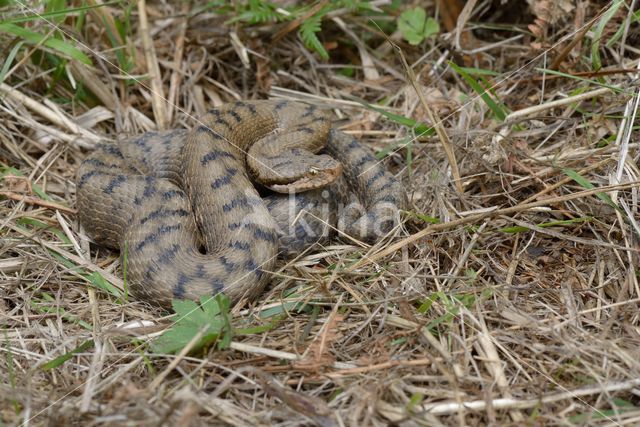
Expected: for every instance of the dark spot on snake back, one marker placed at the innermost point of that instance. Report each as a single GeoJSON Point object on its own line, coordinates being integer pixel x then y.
{"type": "Point", "coordinates": [150, 238]}
{"type": "Point", "coordinates": [361, 162]}
{"type": "Point", "coordinates": [241, 201]}
{"type": "Point", "coordinates": [95, 162]}
{"type": "Point", "coordinates": [225, 180]}
{"type": "Point", "coordinates": [250, 107]}
{"type": "Point", "coordinates": [160, 212]}
{"type": "Point", "coordinates": [112, 149]}
{"type": "Point", "coordinates": [218, 286]}
{"type": "Point", "coordinates": [150, 188]}
{"type": "Point", "coordinates": [84, 178]}
{"type": "Point", "coordinates": [243, 246]}
{"type": "Point", "coordinates": [115, 183]}
{"type": "Point", "coordinates": [169, 254]}
{"type": "Point", "coordinates": [200, 270]}
{"type": "Point", "coordinates": [309, 110]}
{"type": "Point", "coordinates": [164, 229]}
{"type": "Point", "coordinates": [386, 187]}
{"type": "Point", "coordinates": [214, 155]}
{"type": "Point", "coordinates": [223, 122]}
{"type": "Point", "coordinates": [280, 105]}
{"type": "Point", "coordinates": [375, 177]}
{"type": "Point", "coordinates": [228, 265]}
{"type": "Point", "coordinates": [178, 290]}
{"type": "Point", "coordinates": [266, 235]}
{"type": "Point", "coordinates": [252, 266]}
{"type": "Point", "coordinates": [208, 131]}
{"type": "Point", "coordinates": [235, 115]}
{"type": "Point", "coordinates": [168, 195]}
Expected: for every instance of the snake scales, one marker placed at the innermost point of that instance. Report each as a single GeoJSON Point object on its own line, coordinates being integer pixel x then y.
{"type": "Point", "coordinates": [183, 205]}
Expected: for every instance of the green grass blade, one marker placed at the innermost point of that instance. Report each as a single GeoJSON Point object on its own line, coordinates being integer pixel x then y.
{"type": "Point", "coordinates": [9, 60]}
{"type": "Point", "coordinates": [420, 129]}
{"type": "Point", "coordinates": [589, 186]}
{"type": "Point", "coordinates": [498, 110]}
{"type": "Point", "coordinates": [567, 222]}
{"type": "Point", "coordinates": [615, 89]}
{"type": "Point", "coordinates": [59, 13]}
{"type": "Point", "coordinates": [58, 361]}
{"type": "Point", "coordinates": [58, 45]}
{"type": "Point", "coordinates": [596, 62]}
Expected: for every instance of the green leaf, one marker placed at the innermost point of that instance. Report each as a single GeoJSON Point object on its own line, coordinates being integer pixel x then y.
{"type": "Point", "coordinates": [421, 129]}
{"type": "Point", "coordinates": [58, 361]}
{"type": "Point", "coordinates": [100, 282]}
{"type": "Point", "coordinates": [9, 60]}
{"type": "Point", "coordinates": [566, 222]}
{"type": "Point", "coordinates": [423, 217]}
{"type": "Point", "coordinates": [43, 306]}
{"type": "Point", "coordinates": [615, 89]}
{"type": "Point", "coordinates": [44, 226]}
{"type": "Point", "coordinates": [586, 184]}
{"type": "Point", "coordinates": [37, 190]}
{"type": "Point", "coordinates": [499, 111]}
{"type": "Point", "coordinates": [308, 34]}
{"type": "Point", "coordinates": [596, 62]}
{"type": "Point", "coordinates": [479, 71]}
{"type": "Point", "coordinates": [56, 44]}
{"type": "Point", "coordinates": [415, 26]}
{"type": "Point", "coordinates": [56, 13]}
{"type": "Point", "coordinates": [210, 317]}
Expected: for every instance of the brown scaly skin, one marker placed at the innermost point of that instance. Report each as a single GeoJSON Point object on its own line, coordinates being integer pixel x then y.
{"type": "Point", "coordinates": [162, 197]}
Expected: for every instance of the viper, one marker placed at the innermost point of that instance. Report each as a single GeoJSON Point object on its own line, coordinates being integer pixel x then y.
{"type": "Point", "coordinates": [208, 210]}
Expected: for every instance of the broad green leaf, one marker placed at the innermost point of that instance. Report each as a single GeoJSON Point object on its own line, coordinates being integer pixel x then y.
{"type": "Point", "coordinates": [415, 26]}
{"type": "Point", "coordinates": [210, 317]}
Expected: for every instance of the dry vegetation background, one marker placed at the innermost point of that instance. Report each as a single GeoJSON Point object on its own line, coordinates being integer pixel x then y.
{"type": "Point", "coordinates": [509, 297]}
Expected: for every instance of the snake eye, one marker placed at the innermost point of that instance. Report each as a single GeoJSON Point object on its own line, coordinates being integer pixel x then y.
{"type": "Point", "coordinates": [313, 171]}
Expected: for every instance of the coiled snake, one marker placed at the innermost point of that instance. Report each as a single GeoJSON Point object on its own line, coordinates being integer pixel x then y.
{"type": "Point", "coordinates": [183, 205]}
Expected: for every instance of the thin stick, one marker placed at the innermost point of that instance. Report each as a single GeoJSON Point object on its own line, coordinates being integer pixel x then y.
{"type": "Point", "coordinates": [479, 405]}
{"type": "Point", "coordinates": [32, 200]}
{"type": "Point", "coordinates": [553, 104]}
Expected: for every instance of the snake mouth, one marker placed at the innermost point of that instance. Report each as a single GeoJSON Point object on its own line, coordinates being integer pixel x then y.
{"type": "Point", "coordinates": [314, 178]}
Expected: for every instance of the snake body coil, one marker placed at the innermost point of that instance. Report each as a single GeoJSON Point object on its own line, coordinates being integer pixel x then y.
{"type": "Point", "coordinates": [183, 209]}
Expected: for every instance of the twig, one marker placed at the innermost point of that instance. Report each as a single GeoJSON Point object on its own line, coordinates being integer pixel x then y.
{"type": "Point", "coordinates": [553, 104]}
{"type": "Point", "coordinates": [479, 405]}
{"type": "Point", "coordinates": [33, 200]}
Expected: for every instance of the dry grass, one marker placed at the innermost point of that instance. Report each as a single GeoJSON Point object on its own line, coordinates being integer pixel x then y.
{"type": "Point", "coordinates": [464, 322]}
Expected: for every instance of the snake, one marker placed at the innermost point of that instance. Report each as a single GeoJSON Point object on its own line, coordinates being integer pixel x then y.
{"type": "Point", "coordinates": [208, 210]}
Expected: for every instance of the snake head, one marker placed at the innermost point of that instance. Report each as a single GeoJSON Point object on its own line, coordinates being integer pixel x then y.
{"type": "Point", "coordinates": [297, 170]}
{"type": "Point", "coordinates": [311, 178]}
